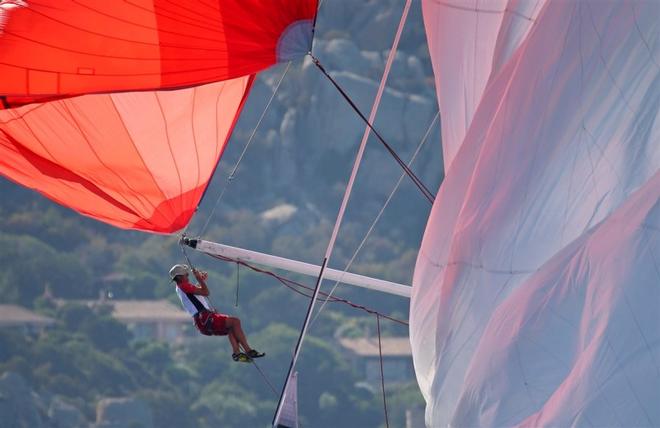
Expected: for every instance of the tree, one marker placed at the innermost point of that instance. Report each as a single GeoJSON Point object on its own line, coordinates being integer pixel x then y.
{"type": "Point", "coordinates": [29, 264]}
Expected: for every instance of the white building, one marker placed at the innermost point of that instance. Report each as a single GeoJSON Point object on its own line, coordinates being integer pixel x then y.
{"type": "Point", "coordinates": [397, 358]}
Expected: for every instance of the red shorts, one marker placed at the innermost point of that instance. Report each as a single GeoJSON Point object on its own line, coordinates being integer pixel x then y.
{"type": "Point", "coordinates": [211, 323]}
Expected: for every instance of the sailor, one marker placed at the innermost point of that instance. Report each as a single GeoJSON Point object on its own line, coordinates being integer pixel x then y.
{"type": "Point", "coordinates": [208, 321]}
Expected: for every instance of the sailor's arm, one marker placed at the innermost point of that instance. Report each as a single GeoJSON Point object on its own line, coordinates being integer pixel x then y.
{"type": "Point", "coordinates": [203, 290]}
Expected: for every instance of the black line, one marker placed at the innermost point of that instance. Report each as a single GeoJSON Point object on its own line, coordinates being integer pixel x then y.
{"type": "Point", "coordinates": [420, 185]}
{"type": "Point", "coordinates": [382, 375]}
{"type": "Point", "coordinates": [301, 336]}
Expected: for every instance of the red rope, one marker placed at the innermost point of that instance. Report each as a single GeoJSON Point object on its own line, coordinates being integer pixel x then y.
{"type": "Point", "coordinates": [290, 284]}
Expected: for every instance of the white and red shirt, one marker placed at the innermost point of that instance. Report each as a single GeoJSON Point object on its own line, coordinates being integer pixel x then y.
{"type": "Point", "coordinates": [188, 305]}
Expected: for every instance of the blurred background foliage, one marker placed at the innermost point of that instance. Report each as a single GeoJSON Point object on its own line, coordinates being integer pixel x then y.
{"type": "Point", "coordinates": [88, 355]}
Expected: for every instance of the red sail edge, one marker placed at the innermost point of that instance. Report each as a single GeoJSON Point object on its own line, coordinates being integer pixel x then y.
{"type": "Point", "coordinates": [135, 160]}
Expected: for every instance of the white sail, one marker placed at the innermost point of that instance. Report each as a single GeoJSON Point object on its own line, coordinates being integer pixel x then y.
{"type": "Point", "coordinates": [535, 297]}
{"type": "Point", "coordinates": [470, 40]}
{"type": "Point", "coordinates": [288, 416]}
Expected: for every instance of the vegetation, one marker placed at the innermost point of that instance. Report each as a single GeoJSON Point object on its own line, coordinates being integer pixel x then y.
{"type": "Point", "coordinates": [88, 355]}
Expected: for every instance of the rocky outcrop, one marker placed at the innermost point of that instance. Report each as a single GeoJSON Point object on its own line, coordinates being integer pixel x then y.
{"type": "Point", "coordinates": [304, 148]}
{"type": "Point", "coordinates": [315, 140]}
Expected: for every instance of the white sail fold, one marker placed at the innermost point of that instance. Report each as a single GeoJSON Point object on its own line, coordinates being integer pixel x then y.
{"type": "Point", "coordinates": [536, 293]}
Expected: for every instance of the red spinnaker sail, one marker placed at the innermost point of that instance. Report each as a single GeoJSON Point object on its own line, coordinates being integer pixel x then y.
{"type": "Point", "coordinates": [121, 110]}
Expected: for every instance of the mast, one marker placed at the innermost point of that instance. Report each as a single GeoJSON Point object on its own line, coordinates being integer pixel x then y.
{"type": "Point", "coordinates": [344, 202]}
{"type": "Point", "coordinates": [240, 254]}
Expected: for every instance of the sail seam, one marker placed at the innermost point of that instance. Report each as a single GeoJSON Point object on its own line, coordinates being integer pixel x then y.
{"type": "Point", "coordinates": [478, 10]}
{"type": "Point", "coordinates": [83, 134]}
{"type": "Point", "coordinates": [169, 145]}
{"type": "Point", "coordinates": [232, 174]}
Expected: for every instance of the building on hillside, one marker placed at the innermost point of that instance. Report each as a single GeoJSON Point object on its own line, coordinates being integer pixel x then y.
{"type": "Point", "coordinates": [397, 366]}
{"type": "Point", "coordinates": [152, 319]}
{"type": "Point", "coordinates": [12, 316]}
{"type": "Point", "coordinates": [397, 358]}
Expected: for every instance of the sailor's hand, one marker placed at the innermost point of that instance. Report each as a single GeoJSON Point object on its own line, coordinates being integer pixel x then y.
{"type": "Point", "coordinates": [201, 275]}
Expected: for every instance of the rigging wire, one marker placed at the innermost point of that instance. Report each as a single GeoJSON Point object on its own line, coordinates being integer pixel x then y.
{"type": "Point", "coordinates": [344, 202]}
{"type": "Point", "coordinates": [263, 375]}
{"type": "Point", "coordinates": [296, 286]}
{"type": "Point", "coordinates": [287, 282]}
{"type": "Point", "coordinates": [291, 284]}
{"type": "Point", "coordinates": [185, 254]}
{"type": "Point", "coordinates": [208, 299]}
{"type": "Point", "coordinates": [301, 337]}
{"type": "Point", "coordinates": [192, 268]}
{"type": "Point", "coordinates": [231, 175]}
{"type": "Point", "coordinates": [238, 272]}
{"type": "Point", "coordinates": [385, 205]}
{"type": "Point", "coordinates": [416, 180]}
{"type": "Point", "coordinates": [382, 376]}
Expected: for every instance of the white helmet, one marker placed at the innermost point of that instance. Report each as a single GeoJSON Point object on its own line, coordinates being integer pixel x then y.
{"type": "Point", "coordinates": [178, 270]}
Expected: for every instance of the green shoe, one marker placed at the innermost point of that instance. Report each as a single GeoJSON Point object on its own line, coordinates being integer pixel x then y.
{"type": "Point", "coordinates": [240, 357]}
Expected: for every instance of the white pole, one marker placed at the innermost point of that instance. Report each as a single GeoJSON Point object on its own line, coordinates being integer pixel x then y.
{"type": "Point", "coordinates": [303, 268]}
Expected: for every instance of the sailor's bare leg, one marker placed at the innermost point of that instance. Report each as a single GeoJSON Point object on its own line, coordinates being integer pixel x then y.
{"type": "Point", "coordinates": [233, 342]}
{"type": "Point", "coordinates": [234, 325]}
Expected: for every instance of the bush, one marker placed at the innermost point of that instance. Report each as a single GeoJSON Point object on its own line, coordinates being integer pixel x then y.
{"type": "Point", "coordinates": [29, 264]}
